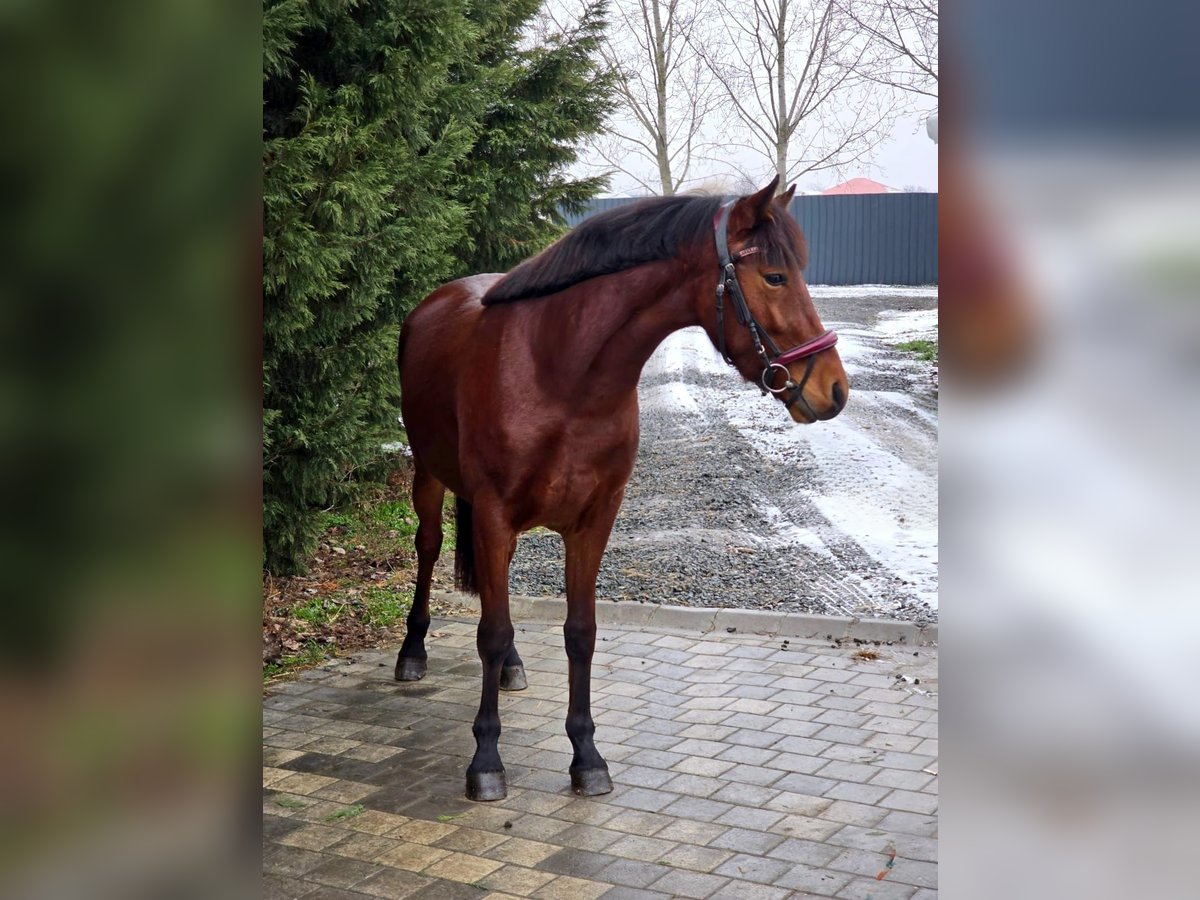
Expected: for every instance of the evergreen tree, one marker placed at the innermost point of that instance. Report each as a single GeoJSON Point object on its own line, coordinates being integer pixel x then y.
{"type": "Point", "coordinates": [405, 142]}
{"type": "Point", "coordinates": [539, 106]}
{"type": "Point", "coordinates": [361, 144]}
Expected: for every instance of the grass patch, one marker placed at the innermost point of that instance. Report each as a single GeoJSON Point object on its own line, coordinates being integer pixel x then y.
{"type": "Point", "coordinates": [348, 813]}
{"type": "Point", "coordinates": [290, 803]}
{"type": "Point", "coordinates": [319, 610]}
{"type": "Point", "coordinates": [926, 350]}
{"type": "Point", "coordinates": [338, 520]}
{"type": "Point", "coordinates": [382, 528]}
{"type": "Point", "coordinates": [395, 515]}
{"type": "Point", "coordinates": [309, 655]}
{"type": "Point", "coordinates": [385, 606]}
{"type": "Point", "coordinates": [449, 523]}
{"type": "Point", "coordinates": [358, 588]}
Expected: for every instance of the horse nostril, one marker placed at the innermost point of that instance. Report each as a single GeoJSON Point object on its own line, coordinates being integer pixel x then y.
{"type": "Point", "coordinates": [839, 396]}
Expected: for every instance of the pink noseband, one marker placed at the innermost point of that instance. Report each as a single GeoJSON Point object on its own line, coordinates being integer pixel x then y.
{"type": "Point", "coordinates": [808, 348]}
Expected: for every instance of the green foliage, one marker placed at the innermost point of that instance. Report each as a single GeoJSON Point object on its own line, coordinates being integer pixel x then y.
{"type": "Point", "coordinates": [544, 101]}
{"type": "Point", "coordinates": [395, 515]}
{"type": "Point", "coordinates": [309, 655]}
{"type": "Point", "coordinates": [318, 611]}
{"type": "Point", "coordinates": [359, 156]}
{"type": "Point", "coordinates": [385, 607]}
{"type": "Point", "coordinates": [405, 143]}
{"type": "Point", "coordinates": [348, 812]}
{"type": "Point", "coordinates": [926, 350]}
{"type": "Point", "coordinates": [383, 528]}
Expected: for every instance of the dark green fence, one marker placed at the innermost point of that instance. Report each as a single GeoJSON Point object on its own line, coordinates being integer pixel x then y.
{"type": "Point", "coordinates": [856, 238]}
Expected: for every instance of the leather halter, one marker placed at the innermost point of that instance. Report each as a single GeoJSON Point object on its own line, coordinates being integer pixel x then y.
{"type": "Point", "coordinates": [768, 351]}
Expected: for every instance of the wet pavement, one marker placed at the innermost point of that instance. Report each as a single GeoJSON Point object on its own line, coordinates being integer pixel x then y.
{"type": "Point", "coordinates": [745, 766]}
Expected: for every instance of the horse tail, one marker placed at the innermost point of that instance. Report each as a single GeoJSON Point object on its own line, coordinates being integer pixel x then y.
{"type": "Point", "coordinates": [464, 547]}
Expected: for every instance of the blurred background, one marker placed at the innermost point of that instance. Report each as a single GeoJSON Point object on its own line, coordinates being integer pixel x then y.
{"type": "Point", "coordinates": [1071, 294]}
{"type": "Point", "coordinates": [1070, 190]}
{"type": "Point", "coordinates": [130, 279]}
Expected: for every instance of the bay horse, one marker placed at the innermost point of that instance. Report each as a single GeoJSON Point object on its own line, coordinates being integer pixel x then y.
{"type": "Point", "coordinates": [519, 394]}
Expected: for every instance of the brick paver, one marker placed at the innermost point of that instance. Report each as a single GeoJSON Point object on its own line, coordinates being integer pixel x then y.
{"type": "Point", "coordinates": [743, 767]}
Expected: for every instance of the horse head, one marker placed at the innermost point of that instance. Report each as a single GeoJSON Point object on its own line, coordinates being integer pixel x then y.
{"type": "Point", "coordinates": [764, 321]}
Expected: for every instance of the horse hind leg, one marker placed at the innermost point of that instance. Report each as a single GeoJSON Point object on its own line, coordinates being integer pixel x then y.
{"type": "Point", "coordinates": [427, 494]}
{"type": "Point", "coordinates": [512, 673]}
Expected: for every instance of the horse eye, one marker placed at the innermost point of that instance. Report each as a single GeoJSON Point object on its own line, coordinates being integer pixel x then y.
{"type": "Point", "coordinates": [775, 278]}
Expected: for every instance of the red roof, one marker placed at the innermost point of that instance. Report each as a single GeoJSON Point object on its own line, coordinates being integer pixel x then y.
{"type": "Point", "coordinates": [859, 186]}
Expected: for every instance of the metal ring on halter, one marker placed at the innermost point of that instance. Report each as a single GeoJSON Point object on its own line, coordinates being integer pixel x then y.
{"type": "Point", "coordinates": [788, 383]}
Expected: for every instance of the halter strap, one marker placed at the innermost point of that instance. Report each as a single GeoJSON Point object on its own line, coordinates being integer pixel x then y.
{"type": "Point", "coordinates": [762, 341]}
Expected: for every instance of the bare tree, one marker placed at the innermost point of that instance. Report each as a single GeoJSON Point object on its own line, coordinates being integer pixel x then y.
{"type": "Point", "coordinates": [790, 70]}
{"type": "Point", "coordinates": [903, 36]}
{"type": "Point", "coordinates": [665, 91]}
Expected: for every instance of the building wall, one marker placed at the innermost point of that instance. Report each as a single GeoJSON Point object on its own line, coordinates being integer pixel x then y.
{"type": "Point", "coordinates": [856, 238]}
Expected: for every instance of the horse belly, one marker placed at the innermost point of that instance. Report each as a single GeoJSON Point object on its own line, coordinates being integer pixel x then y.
{"type": "Point", "coordinates": [586, 469]}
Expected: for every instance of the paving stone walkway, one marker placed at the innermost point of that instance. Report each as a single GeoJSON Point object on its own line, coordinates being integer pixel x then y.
{"type": "Point", "coordinates": [744, 767]}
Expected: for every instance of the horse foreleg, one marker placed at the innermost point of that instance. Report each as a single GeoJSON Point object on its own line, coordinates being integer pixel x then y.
{"type": "Point", "coordinates": [427, 493]}
{"type": "Point", "coordinates": [585, 547]}
{"type": "Point", "coordinates": [492, 539]}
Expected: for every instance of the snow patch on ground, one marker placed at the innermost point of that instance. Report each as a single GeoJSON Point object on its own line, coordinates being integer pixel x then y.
{"type": "Point", "coordinates": [871, 477]}
{"type": "Point", "coordinates": [871, 494]}
{"type": "Point", "coordinates": [907, 403]}
{"type": "Point", "coordinates": [788, 533]}
{"type": "Point", "coordinates": [689, 349]}
{"type": "Point", "coordinates": [915, 324]}
{"type": "Point", "coordinates": [675, 396]}
{"type": "Point", "coordinates": [924, 292]}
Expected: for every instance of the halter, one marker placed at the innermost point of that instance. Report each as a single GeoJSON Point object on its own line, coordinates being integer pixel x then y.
{"type": "Point", "coordinates": [770, 355]}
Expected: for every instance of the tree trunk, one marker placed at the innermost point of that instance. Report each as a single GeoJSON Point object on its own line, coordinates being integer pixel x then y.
{"type": "Point", "coordinates": [660, 85]}
{"type": "Point", "coordinates": [664, 170]}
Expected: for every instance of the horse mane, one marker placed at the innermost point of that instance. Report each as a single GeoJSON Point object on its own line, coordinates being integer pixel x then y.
{"type": "Point", "coordinates": [611, 241]}
{"type": "Point", "coordinates": [634, 234]}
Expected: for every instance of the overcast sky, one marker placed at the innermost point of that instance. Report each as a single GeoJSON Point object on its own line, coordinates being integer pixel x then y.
{"type": "Point", "coordinates": [906, 157]}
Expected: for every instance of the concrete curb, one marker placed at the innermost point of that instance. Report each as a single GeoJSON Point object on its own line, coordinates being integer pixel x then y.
{"type": "Point", "coordinates": [628, 614]}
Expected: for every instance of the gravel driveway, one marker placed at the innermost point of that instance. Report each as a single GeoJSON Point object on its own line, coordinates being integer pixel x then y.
{"type": "Point", "coordinates": [732, 504]}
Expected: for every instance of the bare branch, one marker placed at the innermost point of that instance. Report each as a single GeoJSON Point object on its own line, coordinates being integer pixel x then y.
{"type": "Point", "coordinates": [902, 40]}
{"type": "Point", "coordinates": [795, 85]}
{"type": "Point", "coordinates": [665, 92]}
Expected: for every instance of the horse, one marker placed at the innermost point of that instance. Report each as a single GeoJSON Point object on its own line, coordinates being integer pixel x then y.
{"type": "Point", "coordinates": [519, 395]}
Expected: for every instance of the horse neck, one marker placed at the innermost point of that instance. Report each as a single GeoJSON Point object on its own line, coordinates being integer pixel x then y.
{"type": "Point", "coordinates": [607, 329]}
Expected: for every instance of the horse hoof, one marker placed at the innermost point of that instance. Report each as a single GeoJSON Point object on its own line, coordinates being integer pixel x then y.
{"type": "Point", "coordinates": [512, 678]}
{"type": "Point", "coordinates": [486, 786]}
{"type": "Point", "coordinates": [590, 782]}
{"type": "Point", "coordinates": [409, 669]}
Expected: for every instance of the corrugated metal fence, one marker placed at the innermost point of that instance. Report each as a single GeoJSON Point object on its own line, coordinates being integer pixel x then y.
{"type": "Point", "coordinates": [856, 238]}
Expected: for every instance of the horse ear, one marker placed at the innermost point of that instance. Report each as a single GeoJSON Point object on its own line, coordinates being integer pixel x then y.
{"type": "Point", "coordinates": [761, 202]}
{"type": "Point", "coordinates": [752, 210]}
{"type": "Point", "coordinates": [785, 199]}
